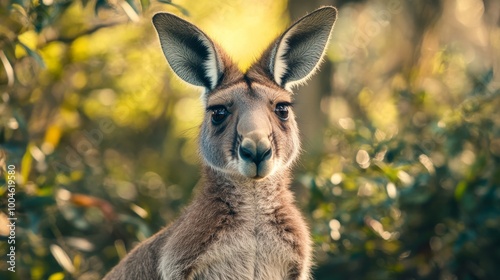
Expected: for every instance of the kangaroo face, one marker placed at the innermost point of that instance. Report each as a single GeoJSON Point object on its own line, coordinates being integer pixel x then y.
{"type": "Point", "coordinates": [249, 129]}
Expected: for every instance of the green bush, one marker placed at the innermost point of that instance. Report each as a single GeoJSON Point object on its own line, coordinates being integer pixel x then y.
{"type": "Point", "coordinates": [400, 173]}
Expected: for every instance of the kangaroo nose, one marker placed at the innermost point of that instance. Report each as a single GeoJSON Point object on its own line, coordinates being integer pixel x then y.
{"type": "Point", "coordinates": [256, 153]}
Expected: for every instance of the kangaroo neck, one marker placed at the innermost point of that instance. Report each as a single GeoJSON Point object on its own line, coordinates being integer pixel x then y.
{"type": "Point", "coordinates": [222, 184]}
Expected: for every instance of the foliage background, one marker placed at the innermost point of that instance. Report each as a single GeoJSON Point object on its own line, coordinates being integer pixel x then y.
{"type": "Point", "coordinates": [401, 129]}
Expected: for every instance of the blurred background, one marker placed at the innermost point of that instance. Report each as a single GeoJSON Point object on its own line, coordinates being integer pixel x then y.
{"type": "Point", "coordinates": [400, 175]}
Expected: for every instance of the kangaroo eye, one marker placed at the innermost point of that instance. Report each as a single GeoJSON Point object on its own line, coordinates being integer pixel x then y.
{"type": "Point", "coordinates": [219, 114]}
{"type": "Point", "coordinates": [281, 111]}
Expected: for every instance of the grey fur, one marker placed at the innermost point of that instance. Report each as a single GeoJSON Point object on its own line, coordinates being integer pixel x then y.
{"type": "Point", "coordinates": [243, 224]}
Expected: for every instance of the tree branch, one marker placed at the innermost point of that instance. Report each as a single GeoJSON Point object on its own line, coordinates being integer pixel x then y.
{"type": "Point", "coordinates": [69, 39]}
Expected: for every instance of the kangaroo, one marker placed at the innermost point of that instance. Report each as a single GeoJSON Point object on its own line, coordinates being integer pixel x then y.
{"type": "Point", "coordinates": [243, 223]}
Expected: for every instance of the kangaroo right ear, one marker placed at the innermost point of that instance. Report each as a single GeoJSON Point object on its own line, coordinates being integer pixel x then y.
{"type": "Point", "coordinates": [296, 54]}
{"type": "Point", "coordinates": [190, 53]}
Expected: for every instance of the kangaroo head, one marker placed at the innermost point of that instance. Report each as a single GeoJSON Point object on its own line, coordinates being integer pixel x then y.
{"type": "Point", "coordinates": [249, 127]}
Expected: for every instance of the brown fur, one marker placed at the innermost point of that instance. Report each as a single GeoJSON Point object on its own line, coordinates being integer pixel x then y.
{"type": "Point", "coordinates": [243, 224]}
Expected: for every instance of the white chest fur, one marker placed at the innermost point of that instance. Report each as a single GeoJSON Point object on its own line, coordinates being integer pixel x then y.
{"type": "Point", "coordinates": [255, 251]}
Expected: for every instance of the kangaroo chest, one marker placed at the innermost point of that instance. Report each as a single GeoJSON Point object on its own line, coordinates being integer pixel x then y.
{"type": "Point", "coordinates": [260, 247]}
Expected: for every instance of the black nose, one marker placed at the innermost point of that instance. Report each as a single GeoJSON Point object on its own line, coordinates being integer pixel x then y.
{"type": "Point", "coordinates": [254, 155]}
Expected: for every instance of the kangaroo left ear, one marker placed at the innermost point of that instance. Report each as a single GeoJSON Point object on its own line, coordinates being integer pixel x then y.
{"type": "Point", "coordinates": [296, 54]}
{"type": "Point", "coordinates": [189, 52]}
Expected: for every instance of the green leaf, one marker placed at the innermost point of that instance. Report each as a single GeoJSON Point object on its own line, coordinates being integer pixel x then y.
{"type": "Point", "coordinates": [488, 77]}
{"type": "Point", "coordinates": [34, 54]}
{"type": "Point", "coordinates": [145, 4]}
{"type": "Point", "coordinates": [482, 82]}
{"type": "Point", "coordinates": [460, 189]}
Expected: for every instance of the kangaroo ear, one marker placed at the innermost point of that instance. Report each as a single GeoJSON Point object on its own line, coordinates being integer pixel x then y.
{"type": "Point", "coordinates": [296, 54]}
{"type": "Point", "coordinates": [190, 53]}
